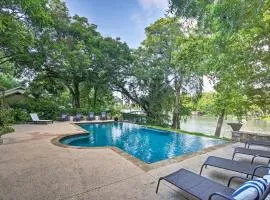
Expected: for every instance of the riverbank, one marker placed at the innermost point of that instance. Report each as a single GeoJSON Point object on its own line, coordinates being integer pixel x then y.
{"type": "Point", "coordinates": [186, 132]}
{"type": "Point", "coordinates": [266, 118]}
{"type": "Point", "coordinates": [207, 125]}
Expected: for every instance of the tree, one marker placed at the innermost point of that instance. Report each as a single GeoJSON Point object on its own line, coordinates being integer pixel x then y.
{"type": "Point", "coordinates": [158, 78]}
{"type": "Point", "coordinates": [8, 81]}
{"type": "Point", "coordinates": [206, 103]}
{"type": "Point", "coordinates": [237, 38]}
{"type": "Point", "coordinates": [19, 21]}
{"type": "Point", "coordinates": [59, 53]}
{"type": "Point", "coordinates": [160, 42]}
{"type": "Point", "coordinates": [145, 83]}
{"type": "Point", "coordinates": [170, 41]}
{"type": "Point", "coordinates": [65, 50]}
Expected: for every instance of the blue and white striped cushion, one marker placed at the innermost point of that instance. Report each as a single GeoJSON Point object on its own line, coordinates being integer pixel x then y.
{"type": "Point", "coordinates": [267, 178]}
{"type": "Point", "coordinates": [251, 190]}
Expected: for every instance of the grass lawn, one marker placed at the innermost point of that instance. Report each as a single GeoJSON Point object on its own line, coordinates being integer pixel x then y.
{"type": "Point", "coordinates": [185, 132]}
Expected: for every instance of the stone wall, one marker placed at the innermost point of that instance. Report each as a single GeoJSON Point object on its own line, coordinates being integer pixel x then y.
{"type": "Point", "coordinates": [243, 136]}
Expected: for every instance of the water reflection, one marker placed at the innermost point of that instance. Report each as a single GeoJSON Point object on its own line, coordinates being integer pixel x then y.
{"type": "Point", "coordinates": [149, 145]}
{"type": "Point", "coordinates": [207, 125]}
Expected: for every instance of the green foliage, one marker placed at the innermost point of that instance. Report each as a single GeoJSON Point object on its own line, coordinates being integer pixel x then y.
{"type": "Point", "coordinates": [185, 132]}
{"type": "Point", "coordinates": [6, 129]}
{"type": "Point", "coordinates": [158, 78]}
{"type": "Point", "coordinates": [141, 119]}
{"type": "Point", "coordinates": [20, 115]}
{"type": "Point", "coordinates": [46, 108]}
{"type": "Point", "coordinates": [70, 67]}
{"type": "Point", "coordinates": [233, 102]}
{"type": "Point", "coordinates": [187, 106]}
{"type": "Point", "coordinates": [206, 104]}
{"type": "Point", "coordinates": [267, 118]}
{"type": "Point", "coordinates": [144, 119]}
{"type": "Point", "coordinates": [19, 19]}
{"type": "Point", "coordinates": [7, 81]}
{"type": "Point", "coordinates": [234, 51]}
{"type": "Point", "coordinates": [63, 56]}
{"type": "Point", "coordinates": [6, 117]}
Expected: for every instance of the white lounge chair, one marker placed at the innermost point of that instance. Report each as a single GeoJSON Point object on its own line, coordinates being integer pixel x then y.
{"type": "Point", "coordinates": [36, 119]}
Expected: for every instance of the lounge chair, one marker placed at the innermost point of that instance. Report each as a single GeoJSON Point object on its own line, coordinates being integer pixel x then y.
{"type": "Point", "coordinates": [91, 116]}
{"type": "Point", "coordinates": [64, 117]}
{"type": "Point", "coordinates": [103, 116]}
{"type": "Point", "coordinates": [253, 152]}
{"type": "Point", "coordinates": [237, 166]}
{"type": "Point", "coordinates": [36, 119]}
{"type": "Point", "coordinates": [202, 187]}
{"type": "Point", "coordinates": [257, 143]}
{"type": "Point", "coordinates": [78, 117]}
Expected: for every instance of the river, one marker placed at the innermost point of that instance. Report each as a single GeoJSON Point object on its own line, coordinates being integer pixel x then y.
{"type": "Point", "coordinates": [207, 125]}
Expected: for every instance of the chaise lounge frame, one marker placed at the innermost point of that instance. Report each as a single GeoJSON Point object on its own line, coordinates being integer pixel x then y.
{"type": "Point", "coordinates": [202, 187]}
{"type": "Point", "coordinates": [248, 143]}
{"type": "Point", "coordinates": [252, 152]}
{"type": "Point", "coordinates": [236, 166]}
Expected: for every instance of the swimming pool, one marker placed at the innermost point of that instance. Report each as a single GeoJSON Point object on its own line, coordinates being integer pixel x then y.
{"type": "Point", "coordinates": [148, 145]}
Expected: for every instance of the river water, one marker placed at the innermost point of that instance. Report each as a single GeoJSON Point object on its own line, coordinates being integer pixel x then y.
{"type": "Point", "coordinates": [207, 125]}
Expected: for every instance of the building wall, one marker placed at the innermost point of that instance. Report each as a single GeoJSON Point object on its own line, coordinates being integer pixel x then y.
{"type": "Point", "coordinates": [14, 99]}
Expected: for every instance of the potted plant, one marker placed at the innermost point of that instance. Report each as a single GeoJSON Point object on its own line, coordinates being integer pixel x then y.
{"type": "Point", "coordinates": [236, 126]}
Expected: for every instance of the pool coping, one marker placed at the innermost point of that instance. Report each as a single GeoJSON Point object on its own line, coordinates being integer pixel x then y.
{"type": "Point", "coordinates": [139, 163]}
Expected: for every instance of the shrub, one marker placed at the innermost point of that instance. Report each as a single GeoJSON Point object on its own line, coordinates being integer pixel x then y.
{"type": "Point", "coordinates": [20, 115]}
{"type": "Point", "coordinates": [6, 129]}
{"type": "Point", "coordinates": [6, 117]}
{"type": "Point", "coordinates": [46, 109]}
{"type": "Point", "coordinates": [142, 119]}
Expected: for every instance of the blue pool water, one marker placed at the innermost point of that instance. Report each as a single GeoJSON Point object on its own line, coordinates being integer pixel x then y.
{"type": "Point", "coordinates": [148, 145]}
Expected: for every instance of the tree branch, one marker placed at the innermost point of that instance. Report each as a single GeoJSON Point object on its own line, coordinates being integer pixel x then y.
{"type": "Point", "coordinates": [127, 93]}
{"type": "Point", "coordinates": [5, 57]}
{"type": "Point", "coordinates": [5, 61]}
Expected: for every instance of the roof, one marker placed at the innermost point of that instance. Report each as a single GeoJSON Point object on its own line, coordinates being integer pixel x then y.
{"type": "Point", "coordinates": [17, 90]}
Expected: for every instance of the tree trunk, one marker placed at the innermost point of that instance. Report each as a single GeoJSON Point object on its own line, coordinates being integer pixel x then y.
{"type": "Point", "coordinates": [95, 96]}
{"type": "Point", "coordinates": [76, 95]}
{"type": "Point", "coordinates": [176, 111]}
{"type": "Point", "coordinates": [3, 99]}
{"type": "Point", "coordinates": [219, 123]}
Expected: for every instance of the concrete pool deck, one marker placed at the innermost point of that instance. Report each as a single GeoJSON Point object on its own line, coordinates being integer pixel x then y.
{"type": "Point", "coordinates": [31, 167]}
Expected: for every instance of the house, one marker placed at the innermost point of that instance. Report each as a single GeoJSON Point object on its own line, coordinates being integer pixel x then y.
{"type": "Point", "coordinates": [14, 96]}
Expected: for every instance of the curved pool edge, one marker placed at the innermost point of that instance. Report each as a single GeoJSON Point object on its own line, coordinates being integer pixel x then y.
{"type": "Point", "coordinates": [56, 141]}
{"type": "Point", "coordinates": [139, 163]}
{"type": "Point", "coordinates": [142, 165]}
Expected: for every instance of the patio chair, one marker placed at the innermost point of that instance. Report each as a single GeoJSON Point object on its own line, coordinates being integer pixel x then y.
{"type": "Point", "coordinates": [202, 187]}
{"type": "Point", "coordinates": [236, 166]}
{"type": "Point", "coordinates": [36, 119]}
{"type": "Point", "coordinates": [64, 117]}
{"type": "Point", "coordinates": [103, 116]}
{"type": "Point", "coordinates": [91, 116]}
{"type": "Point", "coordinates": [253, 152]}
{"type": "Point", "coordinates": [257, 143]}
{"type": "Point", "coordinates": [78, 117]}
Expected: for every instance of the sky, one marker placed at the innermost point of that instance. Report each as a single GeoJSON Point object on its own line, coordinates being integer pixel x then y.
{"type": "Point", "coordinates": [126, 19]}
